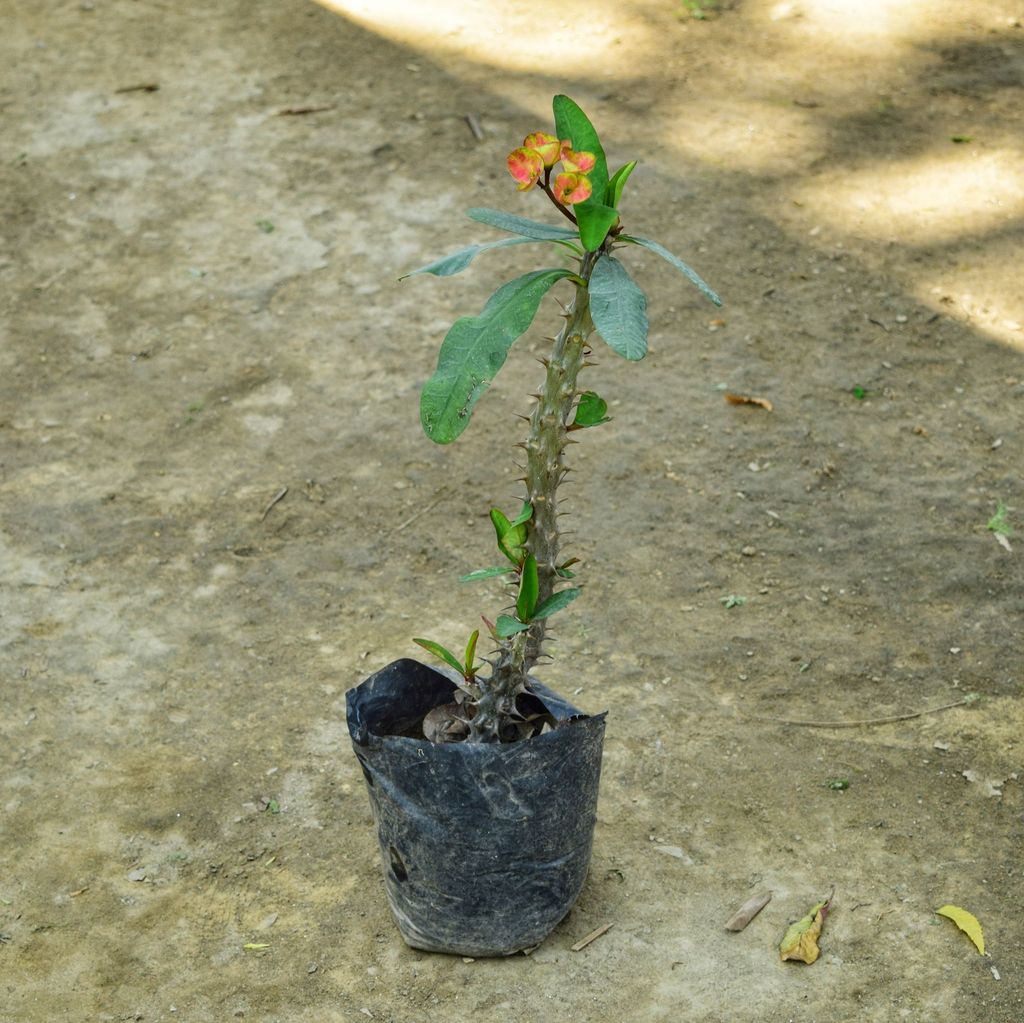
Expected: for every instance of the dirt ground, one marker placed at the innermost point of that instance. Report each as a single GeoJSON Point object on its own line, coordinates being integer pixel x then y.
{"type": "Point", "coordinates": [200, 309]}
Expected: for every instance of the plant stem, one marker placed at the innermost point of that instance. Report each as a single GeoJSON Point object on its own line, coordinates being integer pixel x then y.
{"type": "Point", "coordinates": [545, 468]}
{"type": "Point", "coordinates": [545, 448]}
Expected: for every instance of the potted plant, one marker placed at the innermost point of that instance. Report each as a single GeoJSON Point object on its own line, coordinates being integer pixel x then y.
{"type": "Point", "coordinates": [484, 782]}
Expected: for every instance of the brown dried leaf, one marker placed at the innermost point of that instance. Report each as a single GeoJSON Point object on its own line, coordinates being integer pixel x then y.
{"type": "Point", "coordinates": [445, 724]}
{"type": "Point", "coordinates": [747, 912]}
{"type": "Point", "coordinates": [801, 940]}
{"type": "Point", "coordinates": [744, 399]}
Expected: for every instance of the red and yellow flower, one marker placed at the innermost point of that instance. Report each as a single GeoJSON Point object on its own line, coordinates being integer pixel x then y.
{"type": "Point", "coordinates": [570, 188]}
{"type": "Point", "coordinates": [539, 153]}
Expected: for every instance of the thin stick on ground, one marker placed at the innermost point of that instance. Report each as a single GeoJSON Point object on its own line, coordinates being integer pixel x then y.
{"type": "Point", "coordinates": [279, 496]}
{"type": "Point", "coordinates": [592, 936]}
{"type": "Point", "coordinates": [423, 511]}
{"type": "Point", "coordinates": [867, 722]}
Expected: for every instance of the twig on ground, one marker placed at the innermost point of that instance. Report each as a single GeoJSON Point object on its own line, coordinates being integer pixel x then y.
{"type": "Point", "coordinates": [739, 920]}
{"type": "Point", "coordinates": [592, 936]}
{"type": "Point", "coordinates": [277, 497]}
{"type": "Point", "coordinates": [866, 722]}
{"type": "Point", "coordinates": [297, 111]}
{"type": "Point", "coordinates": [51, 280]}
{"type": "Point", "coordinates": [475, 126]}
{"type": "Point", "coordinates": [423, 511]}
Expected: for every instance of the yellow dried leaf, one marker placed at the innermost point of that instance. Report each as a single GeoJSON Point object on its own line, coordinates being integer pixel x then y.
{"type": "Point", "coordinates": [967, 922]}
{"type": "Point", "coordinates": [254, 946]}
{"type": "Point", "coordinates": [801, 940]}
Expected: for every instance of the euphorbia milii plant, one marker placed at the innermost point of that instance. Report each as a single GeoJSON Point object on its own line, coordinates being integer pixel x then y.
{"type": "Point", "coordinates": [571, 169]}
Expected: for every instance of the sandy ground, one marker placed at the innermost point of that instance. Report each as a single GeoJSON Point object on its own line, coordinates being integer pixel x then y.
{"type": "Point", "coordinates": [200, 309]}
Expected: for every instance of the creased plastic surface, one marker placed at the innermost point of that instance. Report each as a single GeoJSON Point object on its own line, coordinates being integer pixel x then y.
{"type": "Point", "coordinates": [485, 847]}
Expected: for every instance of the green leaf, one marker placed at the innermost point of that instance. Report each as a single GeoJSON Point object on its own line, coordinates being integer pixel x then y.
{"type": "Point", "coordinates": [442, 653]}
{"type": "Point", "coordinates": [571, 123]}
{"type": "Point", "coordinates": [484, 573]}
{"type": "Point", "coordinates": [475, 349]}
{"type": "Point", "coordinates": [595, 221]}
{"type": "Point", "coordinates": [507, 626]}
{"type": "Point", "coordinates": [525, 514]}
{"type": "Point", "coordinates": [613, 193]}
{"type": "Point", "coordinates": [529, 586]}
{"type": "Point", "coordinates": [563, 569]}
{"type": "Point", "coordinates": [618, 308]}
{"type": "Point", "coordinates": [510, 538]}
{"type": "Point", "coordinates": [458, 261]}
{"type": "Point", "coordinates": [556, 602]}
{"type": "Point", "coordinates": [500, 522]}
{"type": "Point", "coordinates": [590, 411]}
{"type": "Point", "coordinates": [471, 651]}
{"type": "Point", "coordinates": [532, 229]}
{"type": "Point", "coordinates": [594, 217]}
{"type": "Point", "coordinates": [686, 270]}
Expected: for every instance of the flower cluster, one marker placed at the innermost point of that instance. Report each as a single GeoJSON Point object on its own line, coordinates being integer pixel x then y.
{"type": "Point", "coordinates": [538, 154]}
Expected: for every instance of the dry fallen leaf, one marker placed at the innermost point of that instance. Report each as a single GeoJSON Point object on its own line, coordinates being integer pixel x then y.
{"type": "Point", "coordinates": [744, 399]}
{"type": "Point", "coordinates": [967, 922]}
{"type": "Point", "coordinates": [445, 724]}
{"type": "Point", "coordinates": [801, 940]}
{"type": "Point", "coordinates": [747, 912]}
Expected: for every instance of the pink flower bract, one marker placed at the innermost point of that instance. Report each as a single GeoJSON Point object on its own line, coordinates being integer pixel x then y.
{"type": "Point", "coordinates": [571, 188]}
{"type": "Point", "coordinates": [577, 163]}
{"type": "Point", "coordinates": [526, 166]}
{"type": "Point", "coordinates": [547, 147]}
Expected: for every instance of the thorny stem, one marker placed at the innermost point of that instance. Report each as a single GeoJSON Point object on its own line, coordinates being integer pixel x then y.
{"type": "Point", "coordinates": [545, 467]}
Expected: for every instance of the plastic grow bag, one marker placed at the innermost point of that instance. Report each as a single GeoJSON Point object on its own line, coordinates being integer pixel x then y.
{"type": "Point", "coordinates": [485, 847]}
